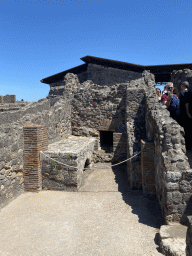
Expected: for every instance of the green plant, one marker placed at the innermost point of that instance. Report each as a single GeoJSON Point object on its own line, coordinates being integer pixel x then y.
{"type": "Point", "coordinates": [57, 171]}
{"type": "Point", "coordinates": [53, 164]}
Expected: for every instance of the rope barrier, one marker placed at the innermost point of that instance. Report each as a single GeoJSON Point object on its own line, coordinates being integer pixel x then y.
{"type": "Point", "coordinates": [89, 168]}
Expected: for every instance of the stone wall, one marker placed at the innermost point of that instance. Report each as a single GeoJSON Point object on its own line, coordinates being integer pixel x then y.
{"type": "Point", "coordinates": [135, 120]}
{"type": "Point", "coordinates": [100, 102]}
{"type": "Point", "coordinates": [9, 99]}
{"type": "Point", "coordinates": [12, 106]}
{"type": "Point", "coordinates": [189, 237]}
{"type": "Point", "coordinates": [179, 76]}
{"type": "Point", "coordinates": [102, 75]}
{"type": "Point", "coordinates": [53, 114]}
{"type": "Point", "coordinates": [1, 99]}
{"type": "Point", "coordinates": [68, 85]}
{"type": "Point", "coordinates": [172, 172]}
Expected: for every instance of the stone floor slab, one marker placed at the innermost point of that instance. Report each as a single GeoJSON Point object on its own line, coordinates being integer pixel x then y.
{"type": "Point", "coordinates": [108, 220]}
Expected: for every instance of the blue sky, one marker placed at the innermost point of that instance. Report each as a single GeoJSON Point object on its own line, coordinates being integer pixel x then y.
{"type": "Point", "coordinates": [42, 38]}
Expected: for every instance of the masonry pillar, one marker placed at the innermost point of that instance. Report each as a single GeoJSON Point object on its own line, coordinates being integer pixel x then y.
{"type": "Point", "coordinates": [35, 140]}
{"type": "Point", "coordinates": [148, 167]}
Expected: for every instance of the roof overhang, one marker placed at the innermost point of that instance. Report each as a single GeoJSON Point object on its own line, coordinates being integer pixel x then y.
{"type": "Point", "coordinates": [162, 72]}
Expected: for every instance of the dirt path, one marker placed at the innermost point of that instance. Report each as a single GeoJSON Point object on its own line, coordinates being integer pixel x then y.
{"type": "Point", "coordinates": [105, 218]}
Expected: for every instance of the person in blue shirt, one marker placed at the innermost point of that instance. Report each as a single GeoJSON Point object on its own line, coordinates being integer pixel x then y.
{"type": "Point", "coordinates": [185, 118]}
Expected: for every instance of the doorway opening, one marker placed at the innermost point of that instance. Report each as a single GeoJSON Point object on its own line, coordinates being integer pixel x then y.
{"type": "Point", "coordinates": [106, 139]}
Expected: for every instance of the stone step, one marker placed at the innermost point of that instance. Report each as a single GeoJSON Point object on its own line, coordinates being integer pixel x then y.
{"type": "Point", "coordinates": [172, 239]}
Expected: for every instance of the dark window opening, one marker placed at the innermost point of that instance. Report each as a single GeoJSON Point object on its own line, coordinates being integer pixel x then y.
{"type": "Point", "coordinates": [106, 139]}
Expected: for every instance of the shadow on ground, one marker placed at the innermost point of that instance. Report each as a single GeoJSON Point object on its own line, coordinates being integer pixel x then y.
{"type": "Point", "coordinates": [147, 208]}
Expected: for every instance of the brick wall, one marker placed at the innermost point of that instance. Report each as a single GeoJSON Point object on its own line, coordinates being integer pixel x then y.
{"type": "Point", "coordinates": [147, 167]}
{"type": "Point", "coordinates": [120, 142]}
{"type": "Point", "coordinates": [35, 140]}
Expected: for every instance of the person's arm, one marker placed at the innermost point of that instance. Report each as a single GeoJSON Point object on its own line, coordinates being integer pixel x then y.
{"type": "Point", "coordinates": [187, 110]}
{"type": "Point", "coordinates": [168, 100]}
{"type": "Point", "coordinates": [164, 99]}
{"type": "Point", "coordinates": [167, 103]}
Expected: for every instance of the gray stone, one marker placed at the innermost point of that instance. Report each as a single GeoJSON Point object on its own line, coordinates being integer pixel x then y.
{"type": "Point", "coordinates": [13, 175]}
{"type": "Point", "coordinates": [173, 176]}
{"type": "Point", "coordinates": [185, 186]}
{"type": "Point", "coordinates": [172, 239]}
{"type": "Point", "coordinates": [2, 177]}
{"type": "Point", "coordinates": [14, 162]}
{"type": "Point", "coordinates": [170, 186]}
{"type": "Point", "coordinates": [177, 197]}
{"type": "Point", "coordinates": [181, 166]}
{"type": "Point", "coordinates": [2, 164]}
{"type": "Point", "coordinates": [169, 198]}
{"type": "Point", "coordinates": [187, 197]}
{"type": "Point", "coordinates": [182, 208]}
{"type": "Point", "coordinates": [187, 175]}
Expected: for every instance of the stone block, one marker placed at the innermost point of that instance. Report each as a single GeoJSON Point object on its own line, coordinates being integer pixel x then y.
{"type": "Point", "coordinates": [177, 197]}
{"type": "Point", "coordinates": [187, 197]}
{"type": "Point", "coordinates": [181, 166]}
{"type": "Point", "coordinates": [185, 186]}
{"type": "Point", "coordinates": [187, 175]}
{"type": "Point", "coordinates": [173, 176]}
{"type": "Point", "coordinates": [2, 164]}
{"type": "Point", "coordinates": [73, 152]}
{"type": "Point", "coordinates": [2, 176]}
{"type": "Point", "coordinates": [170, 186]}
{"type": "Point", "coordinates": [169, 199]}
{"type": "Point", "coordinates": [14, 162]}
{"type": "Point", "coordinates": [182, 208]}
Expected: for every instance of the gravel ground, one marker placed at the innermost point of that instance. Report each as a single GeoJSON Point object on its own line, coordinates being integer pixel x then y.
{"type": "Point", "coordinates": [104, 218]}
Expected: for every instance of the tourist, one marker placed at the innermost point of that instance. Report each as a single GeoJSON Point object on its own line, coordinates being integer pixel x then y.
{"type": "Point", "coordinates": [185, 118]}
{"type": "Point", "coordinates": [171, 101]}
{"type": "Point", "coordinates": [158, 92]}
{"type": "Point", "coordinates": [176, 92]}
{"type": "Point", "coordinates": [169, 87]}
{"type": "Point", "coordinates": [165, 90]}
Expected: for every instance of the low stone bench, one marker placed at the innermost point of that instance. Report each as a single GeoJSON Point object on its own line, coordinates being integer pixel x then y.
{"type": "Point", "coordinates": [74, 151]}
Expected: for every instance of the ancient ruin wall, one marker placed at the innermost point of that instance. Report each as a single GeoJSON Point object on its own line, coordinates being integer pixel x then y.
{"type": "Point", "coordinates": [9, 99]}
{"type": "Point", "coordinates": [179, 76]}
{"type": "Point", "coordinates": [135, 117]}
{"type": "Point", "coordinates": [98, 74]}
{"type": "Point", "coordinates": [56, 115]}
{"type": "Point", "coordinates": [102, 75]}
{"type": "Point", "coordinates": [172, 173]}
{"type": "Point", "coordinates": [69, 83]}
{"type": "Point", "coordinates": [99, 104]}
{"type": "Point", "coordinates": [1, 99]}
